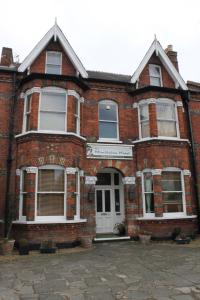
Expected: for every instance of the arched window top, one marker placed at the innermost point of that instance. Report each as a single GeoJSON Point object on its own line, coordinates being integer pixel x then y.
{"type": "Point", "coordinates": [108, 120]}
{"type": "Point", "coordinates": [53, 89]}
{"type": "Point", "coordinates": [50, 167]}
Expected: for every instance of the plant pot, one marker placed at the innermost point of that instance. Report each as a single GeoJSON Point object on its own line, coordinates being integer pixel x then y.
{"type": "Point", "coordinates": [48, 250]}
{"type": "Point", "coordinates": [145, 238]}
{"type": "Point", "coordinates": [6, 247]}
{"type": "Point", "coordinates": [24, 250]}
{"type": "Point", "coordinates": [86, 241]}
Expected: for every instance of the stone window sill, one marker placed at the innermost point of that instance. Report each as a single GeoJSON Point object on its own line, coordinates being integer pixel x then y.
{"type": "Point", "coordinates": [51, 222]}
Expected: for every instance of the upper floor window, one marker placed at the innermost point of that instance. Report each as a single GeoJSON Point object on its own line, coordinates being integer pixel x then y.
{"type": "Point", "coordinates": [77, 115]}
{"type": "Point", "coordinates": [27, 112]}
{"type": "Point", "coordinates": [144, 120]}
{"type": "Point", "coordinates": [52, 110]}
{"type": "Point", "coordinates": [53, 62]}
{"type": "Point", "coordinates": [148, 192]}
{"type": "Point", "coordinates": [155, 75]}
{"type": "Point", "coordinates": [166, 118]}
{"type": "Point", "coordinates": [108, 120]}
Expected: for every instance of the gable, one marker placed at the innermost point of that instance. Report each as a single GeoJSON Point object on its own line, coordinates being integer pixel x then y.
{"type": "Point", "coordinates": [56, 34]}
{"type": "Point", "coordinates": [39, 64]}
{"type": "Point", "coordinates": [166, 62]}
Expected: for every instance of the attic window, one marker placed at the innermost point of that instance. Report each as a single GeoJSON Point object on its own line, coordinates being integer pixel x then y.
{"type": "Point", "coordinates": [155, 75]}
{"type": "Point", "coordinates": [53, 62]}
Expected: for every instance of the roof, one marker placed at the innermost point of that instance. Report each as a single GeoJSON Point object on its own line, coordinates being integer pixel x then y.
{"type": "Point", "coordinates": [157, 48]}
{"type": "Point", "coordinates": [193, 86]}
{"type": "Point", "coordinates": [56, 33]}
{"type": "Point", "coordinates": [109, 76]}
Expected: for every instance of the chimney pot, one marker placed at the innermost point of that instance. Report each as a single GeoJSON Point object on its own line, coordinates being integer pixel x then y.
{"type": "Point", "coordinates": [6, 56]}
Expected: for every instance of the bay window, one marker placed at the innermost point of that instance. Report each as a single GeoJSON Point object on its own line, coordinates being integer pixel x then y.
{"type": "Point", "coordinates": [148, 193]}
{"type": "Point", "coordinates": [108, 120]}
{"type": "Point", "coordinates": [172, 192]}
{"type": "Point", "coordinates": [53, 62]}
{"type": "Point", "coordinates": [144, 120]}
{"type": "Point", "coordinates": [23, 195]}
{"type": "Point", "coordinates": [52, 116]}
{"type": "Point", "coordinates": [166, 118]}
{"type": "Point", "coordinates": [51, 192]}
{"type": "Point", "coordinates": [27, 112]}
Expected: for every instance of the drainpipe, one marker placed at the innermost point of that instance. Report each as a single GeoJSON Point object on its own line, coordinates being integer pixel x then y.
{"type": "Point", "coordinates": [8, 202]}
{"type": "Point", "coordinates": [186, 97]}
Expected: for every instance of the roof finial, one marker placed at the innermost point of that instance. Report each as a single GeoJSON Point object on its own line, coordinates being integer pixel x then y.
{"type": "Point", "coordinates": [155, 38]}
{"type": "Point", "coordinates": [55, 20]}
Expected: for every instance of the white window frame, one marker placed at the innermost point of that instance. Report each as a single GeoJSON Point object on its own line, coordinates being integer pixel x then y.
{"type": "Point", "coordinates": [77, 193]}
{"type": "Point", "coordinates": [150, 76]}
{"type": "Point", "coordinates": [107, 101]}
{"type": "Point", "coordinates": [21, 195]}
{"type": "Point", "coordinates": [46, 64]}
{"type": "Point", "coordinates": [169, 101]}
{"type": "Point", "coordinates": [145, 214]}
{"type": "Point", "coordinates": [52, 90]}
{"type": "Point", "coordinates": [177, 214]}
{"type": "Point", "coordinates": [77, 116]}
{"type": "Point", "coordinates": [143, 102]}
{"type": "Point", "coordinates": [51, 218]}
{"type": "Point", "coordinates": [26, 112]}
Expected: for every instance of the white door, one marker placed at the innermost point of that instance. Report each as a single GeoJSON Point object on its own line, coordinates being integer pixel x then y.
{"type": "Point", "coordinates": [109, 201]}
{"type": "Point", "coordinates": [104, 216]}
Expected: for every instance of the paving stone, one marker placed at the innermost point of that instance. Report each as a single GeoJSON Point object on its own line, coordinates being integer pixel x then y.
{"type": "Point", "coordinates": [183, 297]}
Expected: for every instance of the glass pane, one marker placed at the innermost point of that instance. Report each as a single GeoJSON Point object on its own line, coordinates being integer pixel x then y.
{"type": "Point", "coordinates": [108, 130]}
{"type": "Point", "coordinates": [116, 179]}
{"type": "Point", "coordinates": [117, 201]}
{"type": "Point", "coordinates": [145, 130]}
{"type": "Point", "coordinates": [154, 71]}
{"type": "Point", "coordinates": [51, 69]}
{"type": "Point", "coordinates": [148, 182]}
{"type": "Point", "coordinates": [171, 181]}
{"type": "Point", "coordinates": [51, 180]}
{"type": "Point", "coordinates": [50, 205]}
{"type": "Point", "coordinates": [52, 121]}
{"type": "Point", "coordinates": [144, 112]}
{"type": "Point", "coordinates": [24, 202]}
{"type": "Point", "coordinates": [28, 103]}
{"type": "Point", "coordinates": [103, 179]}
{"type": "Point", "coordinates": [107, 201]}
{"type": "Point", "coordinates": [155, 81]}
{"type": "Point", "coordinates": [149, 202]}
{"type": "Point", "coordinates": [99, 201]}
{"type": "Point", "coordinates": [108, 111]}
{"type": "Point", "coordinates": [54, 58]}
{"type": "Point", "coordinates": [165, 111]}
{"type": "Point", "coordinates": [27, 122]}
{"type": "Point", "coordinates": [53, 102]}
{"type": "Point", "coordinates": [172, 202]}
{"type": "Point", "coordinates": [24, 181]}
{"type": "Point", "coordinates": [167, 128]}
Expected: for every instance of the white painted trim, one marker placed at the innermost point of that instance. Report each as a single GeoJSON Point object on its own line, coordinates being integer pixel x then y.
{"type": "Point", "coordinates": [70, 170]}
{"type": "Point", "coordinates": [156, 172]}
{"type": "Point", "coordinates": [186, 173]}
{"type": "Point", "coordinates": [167, 218]}
{"type": "Point", "coordinates": [160, 73]}
{"type": "Point", "coordinates": [160, 139]}
{"type": "Point", "coordinates": [31, 170]}
{"type": "Point", "coordinates": [156, 47]}
{"type": "Point", "coordinates": [51, 222]}
{"type": "Point", "coordinates": [128, 180]}
{"type": "Point", "coordinates": [97, 144]}
{"type": "Point", "coordinates": [50, 132]}
{"type": "Point", "coordinates": [54, 31]}
{"type": "Point", "coordinates": [114, 141]}
{"type": "Point", "coordinates": [112, 238]}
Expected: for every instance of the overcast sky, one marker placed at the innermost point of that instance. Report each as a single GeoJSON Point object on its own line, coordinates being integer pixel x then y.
{"type": "Point", "coordinates": [107, 35]}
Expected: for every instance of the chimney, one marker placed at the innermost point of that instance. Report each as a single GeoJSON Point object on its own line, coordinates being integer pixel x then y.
{"type": "Point", "coordinates": [172, 56]}
{"type": "Point", "coordinates": [6, 57]}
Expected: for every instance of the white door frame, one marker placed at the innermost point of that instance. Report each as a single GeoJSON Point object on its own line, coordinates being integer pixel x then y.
{"type": "Point", "coordinates": [116, 217]}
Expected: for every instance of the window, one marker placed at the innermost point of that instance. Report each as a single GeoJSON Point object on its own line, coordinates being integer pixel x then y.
{"type": "Point", "coordinates": [53, 62]}
{"type": "Point", "coordinates": [53, 111]}
{"type": "Point", "coordinates": [27, 112]}
{"type": "Point", "coordinates": [108, 120]}
{"type": "Point", "coordinates": [172, 192]}
{"type": "Point", "coordinates": [77, 216]}
{"type": "Point", "coordinates": [166, 119]}
{"type": "Point", "coordinates": [148, 192]}
{"type": "Point", "coordinates": [144, 120]}
{"type": "Point", "coordinates": [23, 195]}
{"type": "Point", "coordinates": [77, 115]}
{"type": "Point", "coordinates": [51, 192]}
{"type": "Point", "coordinates": [155, 75]}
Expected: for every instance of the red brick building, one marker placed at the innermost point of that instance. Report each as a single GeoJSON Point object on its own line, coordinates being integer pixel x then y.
{"type": "Point", "coordinates": [83, 150]}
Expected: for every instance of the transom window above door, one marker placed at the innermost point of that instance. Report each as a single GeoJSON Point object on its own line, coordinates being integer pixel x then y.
{"type": "Point", "coordinates": [53, 62]}
{"type": "Point", "coordinates": [108, 121]}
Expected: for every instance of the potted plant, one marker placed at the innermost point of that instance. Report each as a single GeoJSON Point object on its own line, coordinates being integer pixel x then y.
{"type": "Point", "coordinates": [48, 247]}
{"type": "Point", "coordinates": [145, 237]}
{"type": "Point", "coordinates": [179, 237]}
{"type": "Point", "coordinates": [7, 243]}
{"type": "Point", "coordinates": [23, 247]}
{"type": "Point", "coordinates": [120, 228]}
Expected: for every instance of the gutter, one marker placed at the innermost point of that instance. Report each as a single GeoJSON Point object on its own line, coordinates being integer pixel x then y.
{"type": "Point", "coordinates": [186, 97]}
{"type": "Point", "coordinates": [8, 201]}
